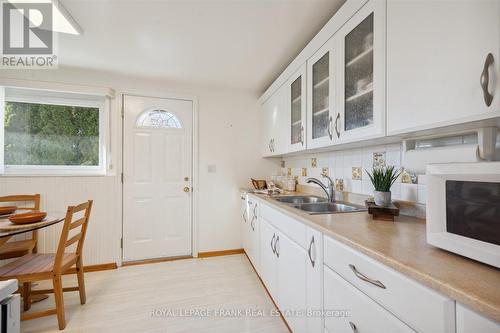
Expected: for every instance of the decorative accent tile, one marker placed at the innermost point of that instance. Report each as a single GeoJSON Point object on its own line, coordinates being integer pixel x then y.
{"type": "Point", "coordinates": [339, 185]}
{"type": "Point", "coordinates": [379, 160]}
{"type": "Point", "coordinates": [289, 171]}
{"type": "Point", "coordinates": [282, 163]}
{"type": "Point", "coordinates": [304, 172]}
{"type": "Point", "coordinates": [325, 171]}
{"type": "Point", "coordinates": [408, 177]}
{"type": "Point", "coordinates": [357, 173]}
{"type": "Point", "coordinates": [314, 162]}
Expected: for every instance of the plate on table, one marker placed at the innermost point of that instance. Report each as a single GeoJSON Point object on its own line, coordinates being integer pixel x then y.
{"type": "Point", "coordinates": [30, 217]}
{"type": "Point", "coordinates": [7, 210]}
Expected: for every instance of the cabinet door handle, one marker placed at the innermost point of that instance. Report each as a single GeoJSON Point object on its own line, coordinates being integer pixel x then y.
{"type": "Point", "coordinates": [337, 131]}
{"type": "Point", "coordinates": [272, 144]}
{"type": "Point", "coordinates": [269, 145]}
{"type": "Point", "coordinates": [353, 327]}
{"type": "Point", "coordinates": [485, 79]}
{"type": "Point", "coordinates": [365, 278]}
{"type": "Point", "coordinates": [330, 128]}
{"type": "Point", "coordinates": [309, 251]}
{"type": "Point", "coordinates": [277, 246]}
{"type": "Point", "coordinates": [302, 135]}
{"type": "Point", "coordinates": [272, 245]}
{"type": "Point", "coordinates": [252, 224]}
{"type": "Point", "coordinates": [245, 216]}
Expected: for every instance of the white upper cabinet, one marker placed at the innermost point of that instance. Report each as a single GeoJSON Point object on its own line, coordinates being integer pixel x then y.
{"type": "Point", "coordinates": [361, 88]}
{"type": "Point", "coordinates": [275, 123]}
{"type": "Point", "coordinates": [296, 106]}
{"type": "Point", "coordinates": [321, 96]}
{"type": "Point", "coordinates": [438, 63]}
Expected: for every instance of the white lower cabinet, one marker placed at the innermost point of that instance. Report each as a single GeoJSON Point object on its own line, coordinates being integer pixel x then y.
{"type": "Point", "coordinates": [349, 310]}
{"type": "Point", "coordinates": [292, 273]}
{"type": "Point", "coordinates": [322, 285]}
{"type": "Point", "coordinates": [469, 321]}
{"type": "Point", "coordinates": [250, 237]}
{"type": "Point", "coordinates": [392, 290]}
{"type": "Point", "coordinates": [292, 282]}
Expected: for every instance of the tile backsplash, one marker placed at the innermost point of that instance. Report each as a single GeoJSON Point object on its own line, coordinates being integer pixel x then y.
{"type": "Point", "coordinates": [349, 167]}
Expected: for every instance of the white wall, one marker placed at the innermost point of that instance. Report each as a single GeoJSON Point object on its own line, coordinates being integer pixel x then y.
{"type": "Point", "coordinates": [229, 137]}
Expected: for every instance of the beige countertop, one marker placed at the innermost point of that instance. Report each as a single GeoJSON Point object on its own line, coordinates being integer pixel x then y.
{"type": "Point", "coordinates": [402, 246]}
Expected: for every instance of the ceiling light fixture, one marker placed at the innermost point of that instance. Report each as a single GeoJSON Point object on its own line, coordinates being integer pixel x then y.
{"type": "Point", "coordinates": [63, 22]}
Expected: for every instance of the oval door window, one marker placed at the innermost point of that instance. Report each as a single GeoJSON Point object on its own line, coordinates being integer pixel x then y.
{"type": "Point", "coordinates": [157, 118]}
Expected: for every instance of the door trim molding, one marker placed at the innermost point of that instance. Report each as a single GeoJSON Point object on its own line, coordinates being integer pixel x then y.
{"type": "Point", "coordinates": [195, 159]}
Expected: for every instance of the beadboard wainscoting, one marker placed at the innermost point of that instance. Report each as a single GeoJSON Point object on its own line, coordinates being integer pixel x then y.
{"type": "Point", "coordinates": [102, 242]}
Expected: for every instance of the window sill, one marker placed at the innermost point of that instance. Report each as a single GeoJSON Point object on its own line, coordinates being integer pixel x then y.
{"type": "Point", "coordinates": [54, 172]}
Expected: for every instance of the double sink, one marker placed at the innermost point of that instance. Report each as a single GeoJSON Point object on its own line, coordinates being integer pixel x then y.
{"type": "Point", "coordinates": [318, 205]}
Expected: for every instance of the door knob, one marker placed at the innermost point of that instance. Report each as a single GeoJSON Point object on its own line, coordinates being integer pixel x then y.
{"type": "Point", "coordinates": [186, 189]}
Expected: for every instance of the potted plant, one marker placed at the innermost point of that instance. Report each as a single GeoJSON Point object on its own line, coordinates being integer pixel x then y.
{"type": "Point", "coordinates": [382, 179]}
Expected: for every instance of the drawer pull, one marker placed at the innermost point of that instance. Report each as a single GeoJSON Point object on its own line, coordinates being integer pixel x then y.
{"type": "Point", "coordinates": [309, 251]}
{"type": "Point", "coordinates": [365, 278]}
{"type": "Point", "coordinates": [353, 327]}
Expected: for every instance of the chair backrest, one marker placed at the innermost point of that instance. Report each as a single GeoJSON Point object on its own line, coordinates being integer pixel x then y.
{"type": "Point", "coordinates": [69, 225]}
{"type": "Point", "coordinates": [23, 201]}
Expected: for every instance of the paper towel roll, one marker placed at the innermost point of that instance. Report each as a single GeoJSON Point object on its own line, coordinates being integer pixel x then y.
{"type": "Point", "coordinates": [417, 160]}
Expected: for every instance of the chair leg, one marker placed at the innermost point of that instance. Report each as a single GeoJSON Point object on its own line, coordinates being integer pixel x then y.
{"type": "Point", "coordinates": [26, 296]}
{"type": "Point", "coordinates": [81, 280]}
{"type": "Point", "coordinates": [58, 295]}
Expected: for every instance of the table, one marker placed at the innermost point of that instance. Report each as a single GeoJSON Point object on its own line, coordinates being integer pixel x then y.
{"type": "Point", "coordinates": [8, 229]}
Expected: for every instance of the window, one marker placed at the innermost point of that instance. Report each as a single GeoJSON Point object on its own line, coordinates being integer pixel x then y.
{"type": "Point", "coordinates": [50, 132]}
{"type": "Point", "coordinates": [158, 119]}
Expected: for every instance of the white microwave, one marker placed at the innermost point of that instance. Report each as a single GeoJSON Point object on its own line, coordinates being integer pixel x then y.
{"type": "Point", "coordinates": [463, 209]}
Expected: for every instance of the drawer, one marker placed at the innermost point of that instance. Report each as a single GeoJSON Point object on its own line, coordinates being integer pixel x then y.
{"type": "Point", "coordinates": [295, 230]}
{"type": "Point", "coordinates": [393, 290]}
{"type": "Point", "coordinates": [361, 313]}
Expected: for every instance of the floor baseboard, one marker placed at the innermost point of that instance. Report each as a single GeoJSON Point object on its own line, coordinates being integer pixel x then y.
{"type": "Point", "coordinates": [220, 253]}
{"type": "Point", "coordinates": [94, 268]}
{"type": "Point", "coordinates": [153, 261]}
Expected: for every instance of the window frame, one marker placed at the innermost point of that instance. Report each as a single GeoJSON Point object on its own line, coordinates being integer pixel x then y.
{"type": "Point", "coordinates": [100, 102]}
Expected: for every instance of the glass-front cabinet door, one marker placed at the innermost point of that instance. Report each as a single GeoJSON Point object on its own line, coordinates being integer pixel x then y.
{"type": "Point", "coordinates": [321, 99]}
{"type": "Point", "coordinates": [297, 110]}
{"type": "Point", "coordinates": [362, 86]}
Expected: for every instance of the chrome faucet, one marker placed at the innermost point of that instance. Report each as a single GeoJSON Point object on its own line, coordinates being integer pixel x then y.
{"type": "Point", "coordinates": [328, 190]}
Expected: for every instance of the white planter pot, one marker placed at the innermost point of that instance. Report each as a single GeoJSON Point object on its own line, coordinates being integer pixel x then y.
{"type": "Point", "coordinates": [382, 199]}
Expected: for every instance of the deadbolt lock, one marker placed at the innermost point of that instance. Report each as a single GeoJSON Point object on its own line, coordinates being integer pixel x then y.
{"type": "Point", "coordinates": [186, 179]}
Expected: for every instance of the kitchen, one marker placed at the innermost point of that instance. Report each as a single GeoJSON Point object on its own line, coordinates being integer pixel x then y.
{"type": "Point", "coordinates": [304, 166]}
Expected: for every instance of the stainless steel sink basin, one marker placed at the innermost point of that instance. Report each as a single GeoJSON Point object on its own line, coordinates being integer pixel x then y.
{"type": "Point", "coordinates": [329, 208]}
{"type": "Point", "coordinates": [298, 200]}
{"type": "Point", "coordinates": [318, 205]}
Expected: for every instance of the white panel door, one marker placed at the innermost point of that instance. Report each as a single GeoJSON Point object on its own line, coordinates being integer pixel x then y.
{"type": "Point", "coordinates": [157, 156]}
{"type": "Point", "coordinates": [292, 270]}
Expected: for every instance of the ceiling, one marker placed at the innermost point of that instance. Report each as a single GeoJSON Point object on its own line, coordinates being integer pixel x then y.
{"type": "Point", "coordinates": [243, 44]}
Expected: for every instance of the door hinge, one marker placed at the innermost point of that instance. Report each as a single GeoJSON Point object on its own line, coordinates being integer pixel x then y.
{"type": "Point", "coordinates": [121, 243]}
{"type": "Point", "coordinates": [122, 177]}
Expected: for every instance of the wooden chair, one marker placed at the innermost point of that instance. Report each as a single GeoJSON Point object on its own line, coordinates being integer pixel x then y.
{"type": "Point", "coordinates": [36, 267]}
{"type": "Point", "coordinates": [16, 249]}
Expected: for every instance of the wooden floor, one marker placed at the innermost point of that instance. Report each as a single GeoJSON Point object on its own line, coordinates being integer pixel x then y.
{"type": "Point", "coordinates": [150, 298]}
